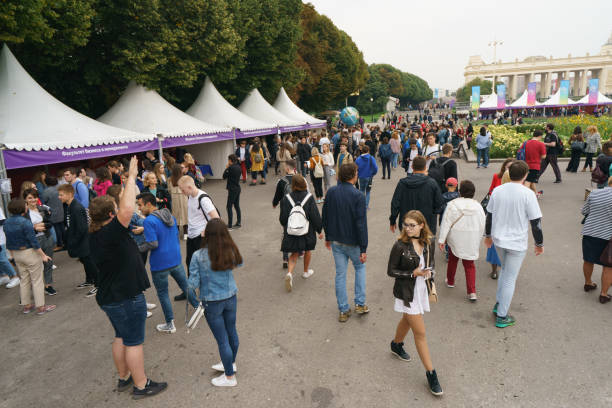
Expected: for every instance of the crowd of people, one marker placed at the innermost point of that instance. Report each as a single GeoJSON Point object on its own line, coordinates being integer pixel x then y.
{"type": "Point", "coordinates": [130, 211]}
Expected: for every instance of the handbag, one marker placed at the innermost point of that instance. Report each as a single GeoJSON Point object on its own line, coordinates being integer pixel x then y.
{"type": "Point", "coordinates": [431, 286]}
{"type": "Point", "coordinates": [485, 202]}
{"type": "Point", "coordinates": [606, 255]}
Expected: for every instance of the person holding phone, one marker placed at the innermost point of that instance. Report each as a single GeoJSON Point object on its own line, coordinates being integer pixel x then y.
{"type": "Point", "coordinates": [411, 264]}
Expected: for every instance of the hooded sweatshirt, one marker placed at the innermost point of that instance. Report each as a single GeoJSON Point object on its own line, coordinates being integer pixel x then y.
{"type": "Point", "coordinates": [161, 237]}
{"type": "Point", "coordinates": [417, 192]}
{"type": "Point", "coordinates": [469, 223]}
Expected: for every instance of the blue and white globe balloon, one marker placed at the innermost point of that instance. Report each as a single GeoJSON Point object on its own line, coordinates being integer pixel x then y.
{"type": "Point", "coordinates": [349, 116]}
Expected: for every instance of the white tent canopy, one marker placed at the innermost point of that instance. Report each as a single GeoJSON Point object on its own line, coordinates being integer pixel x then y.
{"type": "Point", "coordinates": [490, 102]}
{"type": "Point", "coordinates": [144, 110]}
{"type": "Point", "coordinates": [601, 99]}
{"type": "Point", "coordinates": [521, 102]}
{"type": "Point", "coordinates": [256, 106]}
{"type": "Point", "coordinates": [32, 119]}
{"type": "Point", "coordinates": [286, 106]}
{"type": "Point", "coordinates": [211, 107]}
{"type": "Point", "coordinates": [555, 100]}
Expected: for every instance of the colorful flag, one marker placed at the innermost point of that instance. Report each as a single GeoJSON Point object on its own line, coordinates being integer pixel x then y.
{"type": "Point", "coordinates": [475, 97]}
{"type": "Point", "coordinates": [593, 91]}
{"type": "Point", "coordinates": [531, 94]}
{"type": "Point", "coordinates": [564, 92]}
{"type": "Point", "coordinates": [501, 96]}
{"type": "Point", "coordinates": [435, 93]}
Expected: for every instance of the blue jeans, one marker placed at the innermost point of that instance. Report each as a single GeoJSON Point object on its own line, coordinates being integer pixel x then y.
{"type": "Point", "coordinates": [160, 281]}
{"type": "Point", "coordinates": [394, 157]}
{"type": "Point", "coordinates": [128, 319]}
{"type": "Point", "coordinates": [342, 253]}
{"type": "Point", "coordinates": [484, 153]}
{"type": "Point", "coordinates": [6, 268]}
{"type": "Point", "coordinates": [221, 318]}
{"type": "Point", "coordinates": [511, 262]}
{"type": "Point", "coordinates": [364, 187]}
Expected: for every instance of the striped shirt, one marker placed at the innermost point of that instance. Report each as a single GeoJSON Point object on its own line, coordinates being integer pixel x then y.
{"type": "Point", "coordinates": [598, 212]}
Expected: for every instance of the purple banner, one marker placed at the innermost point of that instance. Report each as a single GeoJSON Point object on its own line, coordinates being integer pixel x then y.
{"type": "Point", "coordinates": [16, 159]}
{"type": "Point", "coordinates": [241, 134]}
{"type": "Point", "coordinates": [287, 129]}
{"type": "Point", "coordinates": [531, 93]}
{"type": "Point", "coordinates": [501, 96]}
{"type": "Point", "coordinates": [318, 125]}
{"type": "Point", "coordinates": [593, 91]}
{"type": "Point", "coordinates": [196, 139]}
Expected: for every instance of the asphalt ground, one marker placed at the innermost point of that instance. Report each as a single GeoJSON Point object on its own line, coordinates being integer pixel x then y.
{"type": "Point", "coordinates": [295, 353]}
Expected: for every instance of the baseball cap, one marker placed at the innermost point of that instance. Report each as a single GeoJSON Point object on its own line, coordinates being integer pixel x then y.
{"type": "Point", "coordinates": [451, 181]}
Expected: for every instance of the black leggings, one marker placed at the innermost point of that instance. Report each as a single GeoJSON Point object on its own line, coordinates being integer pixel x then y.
{"type": "Point", "coordinates": [588, 162]}
{"type": "Point", "coordinates": [318, 184]}
{"type": "Point", "coordinates": [233, 200]}
{"type": "Point", "coordinates": [386, 165]}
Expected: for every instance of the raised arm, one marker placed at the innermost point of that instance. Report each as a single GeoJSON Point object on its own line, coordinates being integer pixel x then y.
{"type": "Point", "coordinates": [127, 205]}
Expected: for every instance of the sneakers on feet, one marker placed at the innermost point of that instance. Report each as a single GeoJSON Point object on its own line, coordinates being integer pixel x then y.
{"type": "Point", "coordinates": [448, 285]}
{"type": "Point", "coordinates": [182, 296]}
{"type": "Point", "coordinates": [167, 327]}
{"type": "Point", "coordinates": [123, 385]}
{"type": "Point", "coordinates": [92, 292]}
{"type": "Point", "coordinates": [149, 314]}
{"type": "Point", "coordinates": [13, 282]}
{"type": "Point", "coordinates": [236, 226]}
{"type": "Point", "coordinates": [151, 388]}
{"type": "Point", "coordinates": [493, 275]}
{"type": "Point", "coordinates": [308, 274]}
{"type": "Point", "coordinates": [285, 264]}
{"type": "Point", "coordinates": [4, 280]}
{"type": "Point", "coordinates": [434, 384]}
{"type": "Point", "coordinates": [223, 381]}
{"type": "Point", "coordinates": [344, 316]}
{"type": "Point", "coordinates": [472, 297]}
{"type": "Point", "coordinates": [219, 367]}
{"type": "Point", "coordinates": [50, 291]}
{"type": "Point", "coordinates": [84, 285]}
{"type": "Point", "coordinates": [398, 350]}
{"type": "Point", "coordinates": [45, 309]}
{"type": "Point", "coordinates": [28, 309]}
{"type": "Point", "coordinates": [151, 306]}
{"type": "Point", "coordinates": [362, 309]}
{"type": "Point", "coordinates": [502, 322]}
{"type": "Point", "coordinates": [495, 309]}
{"type": "Point", "coordinates": [288, 282]}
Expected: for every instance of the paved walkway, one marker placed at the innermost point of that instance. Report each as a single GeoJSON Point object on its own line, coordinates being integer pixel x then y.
{"type": "Point", "coordinates": [294, 353]}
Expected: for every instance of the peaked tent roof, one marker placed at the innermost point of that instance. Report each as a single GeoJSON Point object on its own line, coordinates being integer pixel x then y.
{"type": "Point", "coordinates": [144, 110]}
{"type": "Point", "coordinates": [31, 119]}
{"type": "Point", "coordinates": [554, 101]}
{"type": "Point", "coordinates": [286, 106]}
{"type": "Point", "coordinates": [490, 102]}
{"type": "Point", "coordinates": [210, 106]}
{"type": "Point", "coordinates": [256, 106]}
{"type": "Point", "coordinates": [521, 102]}
{"type": "Point", "coordinates": [601, 100]}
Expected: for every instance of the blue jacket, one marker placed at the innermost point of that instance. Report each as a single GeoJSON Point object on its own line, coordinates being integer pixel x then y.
{"type": "Point", "coordinates": [344, 216]}
{"type": "Point", "coordinates": [213, 285]}
{"type": "Point", "coordinates": [81, 193]}
{"type": "Point", "coordinates": [20, 233]}
{"type": "Point", "coordinates": [367, 166]}
{"type": "Point", "coordinates": [161, 236]}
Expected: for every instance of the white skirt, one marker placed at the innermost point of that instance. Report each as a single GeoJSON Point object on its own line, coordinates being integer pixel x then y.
{"type": "Point", "coordinates": [420, 300]}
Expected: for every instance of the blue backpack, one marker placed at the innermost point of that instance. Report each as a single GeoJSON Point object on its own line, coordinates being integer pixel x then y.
{"type": "Point", "coordinates": [521, 154]}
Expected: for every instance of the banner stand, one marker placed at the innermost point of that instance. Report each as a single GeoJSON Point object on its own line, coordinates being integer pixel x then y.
{"type": "Point", "coordinates": [160, 148]}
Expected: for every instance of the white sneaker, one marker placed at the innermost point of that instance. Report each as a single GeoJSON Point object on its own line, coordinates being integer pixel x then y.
{"type": "Point", "coordinates": [219, 367]}
{"type": "Point", "coordinates": [223, 381]}
{"type": "Point", "coordinates": [447, 285]}
{"type": "Point", "coordinates": [185, 237]}
{"type": "Point", "coordinates": [288, 282]}
{"type": "Point", "coordinates": [14, 282]}
{"type": "Point", "coordinates": [472, 297]}
{"type": "Point", "coordinates": [54, 267]}
{"type": "Point", "coordinates": [166, 327]}
{"type": "Point", "coordinates": [308, 274]}
{"type": "Point", "coordinates": [151, 306]}
{"type": "Point", "coordinates": [4, 280]}
{"type": "Point", "coordinates": [149, 314]}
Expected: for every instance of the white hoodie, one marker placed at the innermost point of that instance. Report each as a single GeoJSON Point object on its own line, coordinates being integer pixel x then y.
{"type": "Point", "coordinates": [464, 237]}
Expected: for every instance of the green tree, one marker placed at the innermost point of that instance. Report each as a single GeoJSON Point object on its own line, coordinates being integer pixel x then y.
{"type": "Point", "coordinates": [465, 92]}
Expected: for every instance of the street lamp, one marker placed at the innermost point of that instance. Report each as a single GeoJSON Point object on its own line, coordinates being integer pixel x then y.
{"type": "Point", "coordinates": [494, 44]}
{"type": "Point", "coordinates": [372, 109]}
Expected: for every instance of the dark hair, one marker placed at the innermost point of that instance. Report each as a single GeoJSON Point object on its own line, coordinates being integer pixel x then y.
{"type": "Point", "coordinates": [385, 140]}
{"type": "Point", "coordinates": [66, 188]}
{"type": "Point", "coordinates": [365, 149]}
{"type": "Point", "coordinates": [100, 209]}
{"type": "Point", "coordinates": [38, 177]}
{"type": "Point", "coordinates": [503, 168]}
{"type": "Point", "coordinates": [113, 164]}
{"type": "Point", "coordinates": [347, 172]}
{"type": "Point", "coordinates": [103, 174]}
{"type": "Point", "coordinates": [412, 141]}
{"type": "Point", "coordinates": [147, 198]}
{"type": "Point", "coordinates": [233, 158]}
{"type": "Point", "coordinates": [518, 169]}
{"type": "Point", "coordinates": [30, 191]}
{"type": "Point", "coordinates": [72, 170]}
{"type": "Point", "coordinates": [222, 251]}
{"type": "Point", "coordinates": [419, 163]}
{"type": "Point", "coordinates": [114, 192]}
{"type": "Point", "coordinates": [16, 206]}
{"type": "Point", "coordinates": [177, 173]}
{"type": "Point", "coordinates": [577, 130]}
{"type": "Point", "coordinates": [483, 131]}
{"type": "Point", "coordinates": [550, 126]}
{"type": "Point", "coordinates": [537, 133]}
{"type": "Point", "coordinates": [607, 146]}
{"type": "Point", "coordinates": [51, 181]}
{"type": "Point", "coordinates": [467, 189]}
{"type": "Point", "coordinates": [447, 148]}
{"type": "Point", "coordinates": [298, 183]}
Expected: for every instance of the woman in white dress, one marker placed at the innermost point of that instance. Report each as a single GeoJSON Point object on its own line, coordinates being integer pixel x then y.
{"type": "Point", "coordinates": [328, 165]}
{"type": "Point", "coordinates": [411, 263]}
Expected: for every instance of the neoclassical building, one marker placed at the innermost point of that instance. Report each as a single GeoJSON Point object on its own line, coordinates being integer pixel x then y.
{"type": "Point", "coordinates": [547, 72]}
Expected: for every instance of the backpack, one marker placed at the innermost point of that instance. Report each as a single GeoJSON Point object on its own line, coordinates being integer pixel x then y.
{"type": "Point", "coordinates": [297, 223]}
{"type": "Point", "coordinates": [318, 170]}
{"type": "Point", "coordinates": [598, 176]}
{"type": "Point", "coordinates": [200, 197]}
{"type": "Point", "coordinates": [521, 154]}
{"type": "Point", "coordinates": [560, 147]}
{"type": "Point", "coordinates": [436, 171]}
{"type": "Point", "coordinates": [257, 157]}
{"type": "Point", "coordinates": [92, 194]}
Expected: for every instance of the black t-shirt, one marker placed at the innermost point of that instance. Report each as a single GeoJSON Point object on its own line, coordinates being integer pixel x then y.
{"type": "Point", "coordinates": [116, 178]}
{"type": "Point", "coordinates": [121, 272]}
{"type": "Point", "coordinates": [551, 137]}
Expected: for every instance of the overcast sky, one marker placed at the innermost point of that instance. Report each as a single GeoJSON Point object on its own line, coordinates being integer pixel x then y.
{"type": "Point", "coordinates": [433, 39]}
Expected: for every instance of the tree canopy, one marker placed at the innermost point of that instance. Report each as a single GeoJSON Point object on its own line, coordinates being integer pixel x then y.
{"type": "Point", "coordinates": [465, 92]}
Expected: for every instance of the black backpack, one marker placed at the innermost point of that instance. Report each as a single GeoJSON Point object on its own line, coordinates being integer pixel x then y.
{"type": "Point", "coordinates": [436, 171]}
{"type": "Point", "coordinates": [200, 197]}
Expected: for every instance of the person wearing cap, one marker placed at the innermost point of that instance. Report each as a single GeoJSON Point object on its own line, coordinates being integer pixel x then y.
{"type": "Point", "coordinates": [450, 194]}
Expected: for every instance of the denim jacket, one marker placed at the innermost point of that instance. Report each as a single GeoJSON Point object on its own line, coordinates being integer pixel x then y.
{"type": "Point", "coordinates": [20, 233]}
{"type": "Point", "coordinates": [213, 285]}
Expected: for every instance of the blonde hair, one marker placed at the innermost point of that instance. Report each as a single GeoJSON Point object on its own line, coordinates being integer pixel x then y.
{"type": "Point", "coordinates": [395, 135]}
{"type": "Point", "coordinates": [314, 151]}
{"type": "Point", "coordinates": [592, 129]}
{"type": "Point", "coordinates": [186, 180]}
{"type": "Point", "coordinates": [188, 158]}
{"type": "Point", "coordinates": [148, 177]}
{"type": "Point", "coordinates": [426, 235]}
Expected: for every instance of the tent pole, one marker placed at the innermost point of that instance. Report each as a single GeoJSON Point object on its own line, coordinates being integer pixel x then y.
{"type": "Point", "coordinates": [234, 131]}
{"type": "Point", "coordinates": [3, 174]}
{"type": "Point", "coordinates": [160, 139]}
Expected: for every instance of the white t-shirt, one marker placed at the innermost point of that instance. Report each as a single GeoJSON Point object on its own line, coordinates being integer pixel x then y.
{"type": "Point", "coordinates": [513, 205]}
{"type": "Point", "coordinates": [357, 136]}
{"type": "Point", "coordinates": [2, 236]}
{"type": "Point", "coordinates": [196, 222]}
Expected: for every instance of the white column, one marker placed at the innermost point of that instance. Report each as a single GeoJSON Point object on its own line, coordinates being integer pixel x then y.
{"type": "Point", "coordinates": [547, 85]}
{"type": "Point", "coordinates": [583, 82]}
{"type": "Point", "coordinates": [512, 86]}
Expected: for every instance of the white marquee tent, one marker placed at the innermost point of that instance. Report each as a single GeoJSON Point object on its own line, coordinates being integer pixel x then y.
{"type": "Point", "coordinates": [256, 106]}
{"type": "Point", "coordinates": [285, 105]}
{"type": "Point", "coordinates": [521, 102]}
{"type": "Point", "coordinates": [554, 101]}
{"type": "Point", "coordinates": [601, 100]}
{"type": "Point", "coordinates": [490, 102]}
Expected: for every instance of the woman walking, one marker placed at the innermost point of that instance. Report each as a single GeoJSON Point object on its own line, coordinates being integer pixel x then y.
{"type": "Point", "coordinates": [283, 154]}
{"type": "Point", "coordinates": [411, 264]}
{"type": "Point", "coordinates": [328, 166]}
{"type": "Point", "coordinates": [257, 164]}
{"type": "Point", "coordinates": [462, 228]}
{"type": "Point", "coordinates": [211, 271]}
{"type": "Point", "coordinates": [315, 163]}
{"type": "Point", "coordinates": [593, 143]}
{"type": "Point", "coordinates": [396, 148]}
{"type": "Point", "coordinates": [294, 207]}
{"type": "Point", "coordinates": [576, 143]}
{"type": "Point", "coordinates": [179, 200]}
{"type": "Point", "coordinates": [386, 155]}
{"type": "Point", "coordinates": [483, 143]}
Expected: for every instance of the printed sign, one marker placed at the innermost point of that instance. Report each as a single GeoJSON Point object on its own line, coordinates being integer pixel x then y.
{"type": "Point", "coordinates": [501, 96]}
{"type": "Point", "coordinates": [531, 94]}
{"type": "Point", "coordinates": [475, 97]}
{"type": "Point", "coordinates": [593, 91]}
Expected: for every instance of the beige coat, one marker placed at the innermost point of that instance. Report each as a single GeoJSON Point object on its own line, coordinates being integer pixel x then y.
{"type": "Point", "coordinates": [179, 204]}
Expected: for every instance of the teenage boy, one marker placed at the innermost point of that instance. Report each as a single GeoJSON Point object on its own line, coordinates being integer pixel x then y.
{"type": "Point", "coordinates": [244, 157]}
{"type": "Point", "coordinates": [162, 239]}
{"type": "Point", "coordinates": [535, 153]}
{"type": "Point", "coordinates": [232, 175]}
{"type": "Point", "coordinates": [512, 207]}
{"type": "Point", "coordinates": [283, 187]}
{"type": "Point", "coordinates": [81, 192]}
{"type": "Point", "coordinates": [367, 169]}
{"type": "Point", "coordinates": [551, 140]}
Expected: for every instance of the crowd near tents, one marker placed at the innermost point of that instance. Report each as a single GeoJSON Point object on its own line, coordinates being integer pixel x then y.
{"type": "Point", "coordinates": [490, 102]}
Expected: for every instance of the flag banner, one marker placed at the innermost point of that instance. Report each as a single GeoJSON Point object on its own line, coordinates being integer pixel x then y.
{"type": "Point", "coordinates": [531, 94]}
{"type": "Point", "coordinates": [436, 93]}
{"type": "Point", "coordinates": [501, 96]}
{"type": "Point", "coordinates": [475, 97]}
{"type": "Point", "coordinates": [564, 92]}
{"type": "Point", "coordinates": [593, 91]}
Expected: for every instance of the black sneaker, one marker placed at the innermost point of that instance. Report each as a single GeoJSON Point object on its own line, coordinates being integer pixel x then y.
{"type": "Point", "coordinates": [285, 265]}
{"type": "Point", "coordinates": [123, 385]}
{"type": "Point", "coordinates": [84, 285]}
{"type": "Point", "coordinates": [434, 384]}
{"type": "Point", "coordinates": [182, 296]}
{"type": "Point", "coordinates": [237, 226]}
{"type": "Point", "coordinates": [92, 292]}
{"type": "Point", "coordinates": [50, 291]}
{"type": "Point", "coordinates": [556, 181]}
{"type": "Point", "coordinates": [152, 388]}
{"type": "Point", "coordinates": [398, 350]}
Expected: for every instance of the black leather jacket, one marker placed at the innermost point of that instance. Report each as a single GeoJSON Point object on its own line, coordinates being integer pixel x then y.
{"type": "Point", "coordinates": [403, 260]}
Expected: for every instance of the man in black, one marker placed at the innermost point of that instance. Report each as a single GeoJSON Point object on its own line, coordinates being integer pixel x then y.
{"type": "Point", "coordinates": [303, 155]}
{"type": "Point", "coordinates": [232, 175]}
{"type": "Point", "coordinates": [551, 141]}
{"type": "Point", "coordinates": [416, 191]}
{"type": "Point", "coordinates": [445, 167]}
{"type": "Point", "coordinates": [283, 187]}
